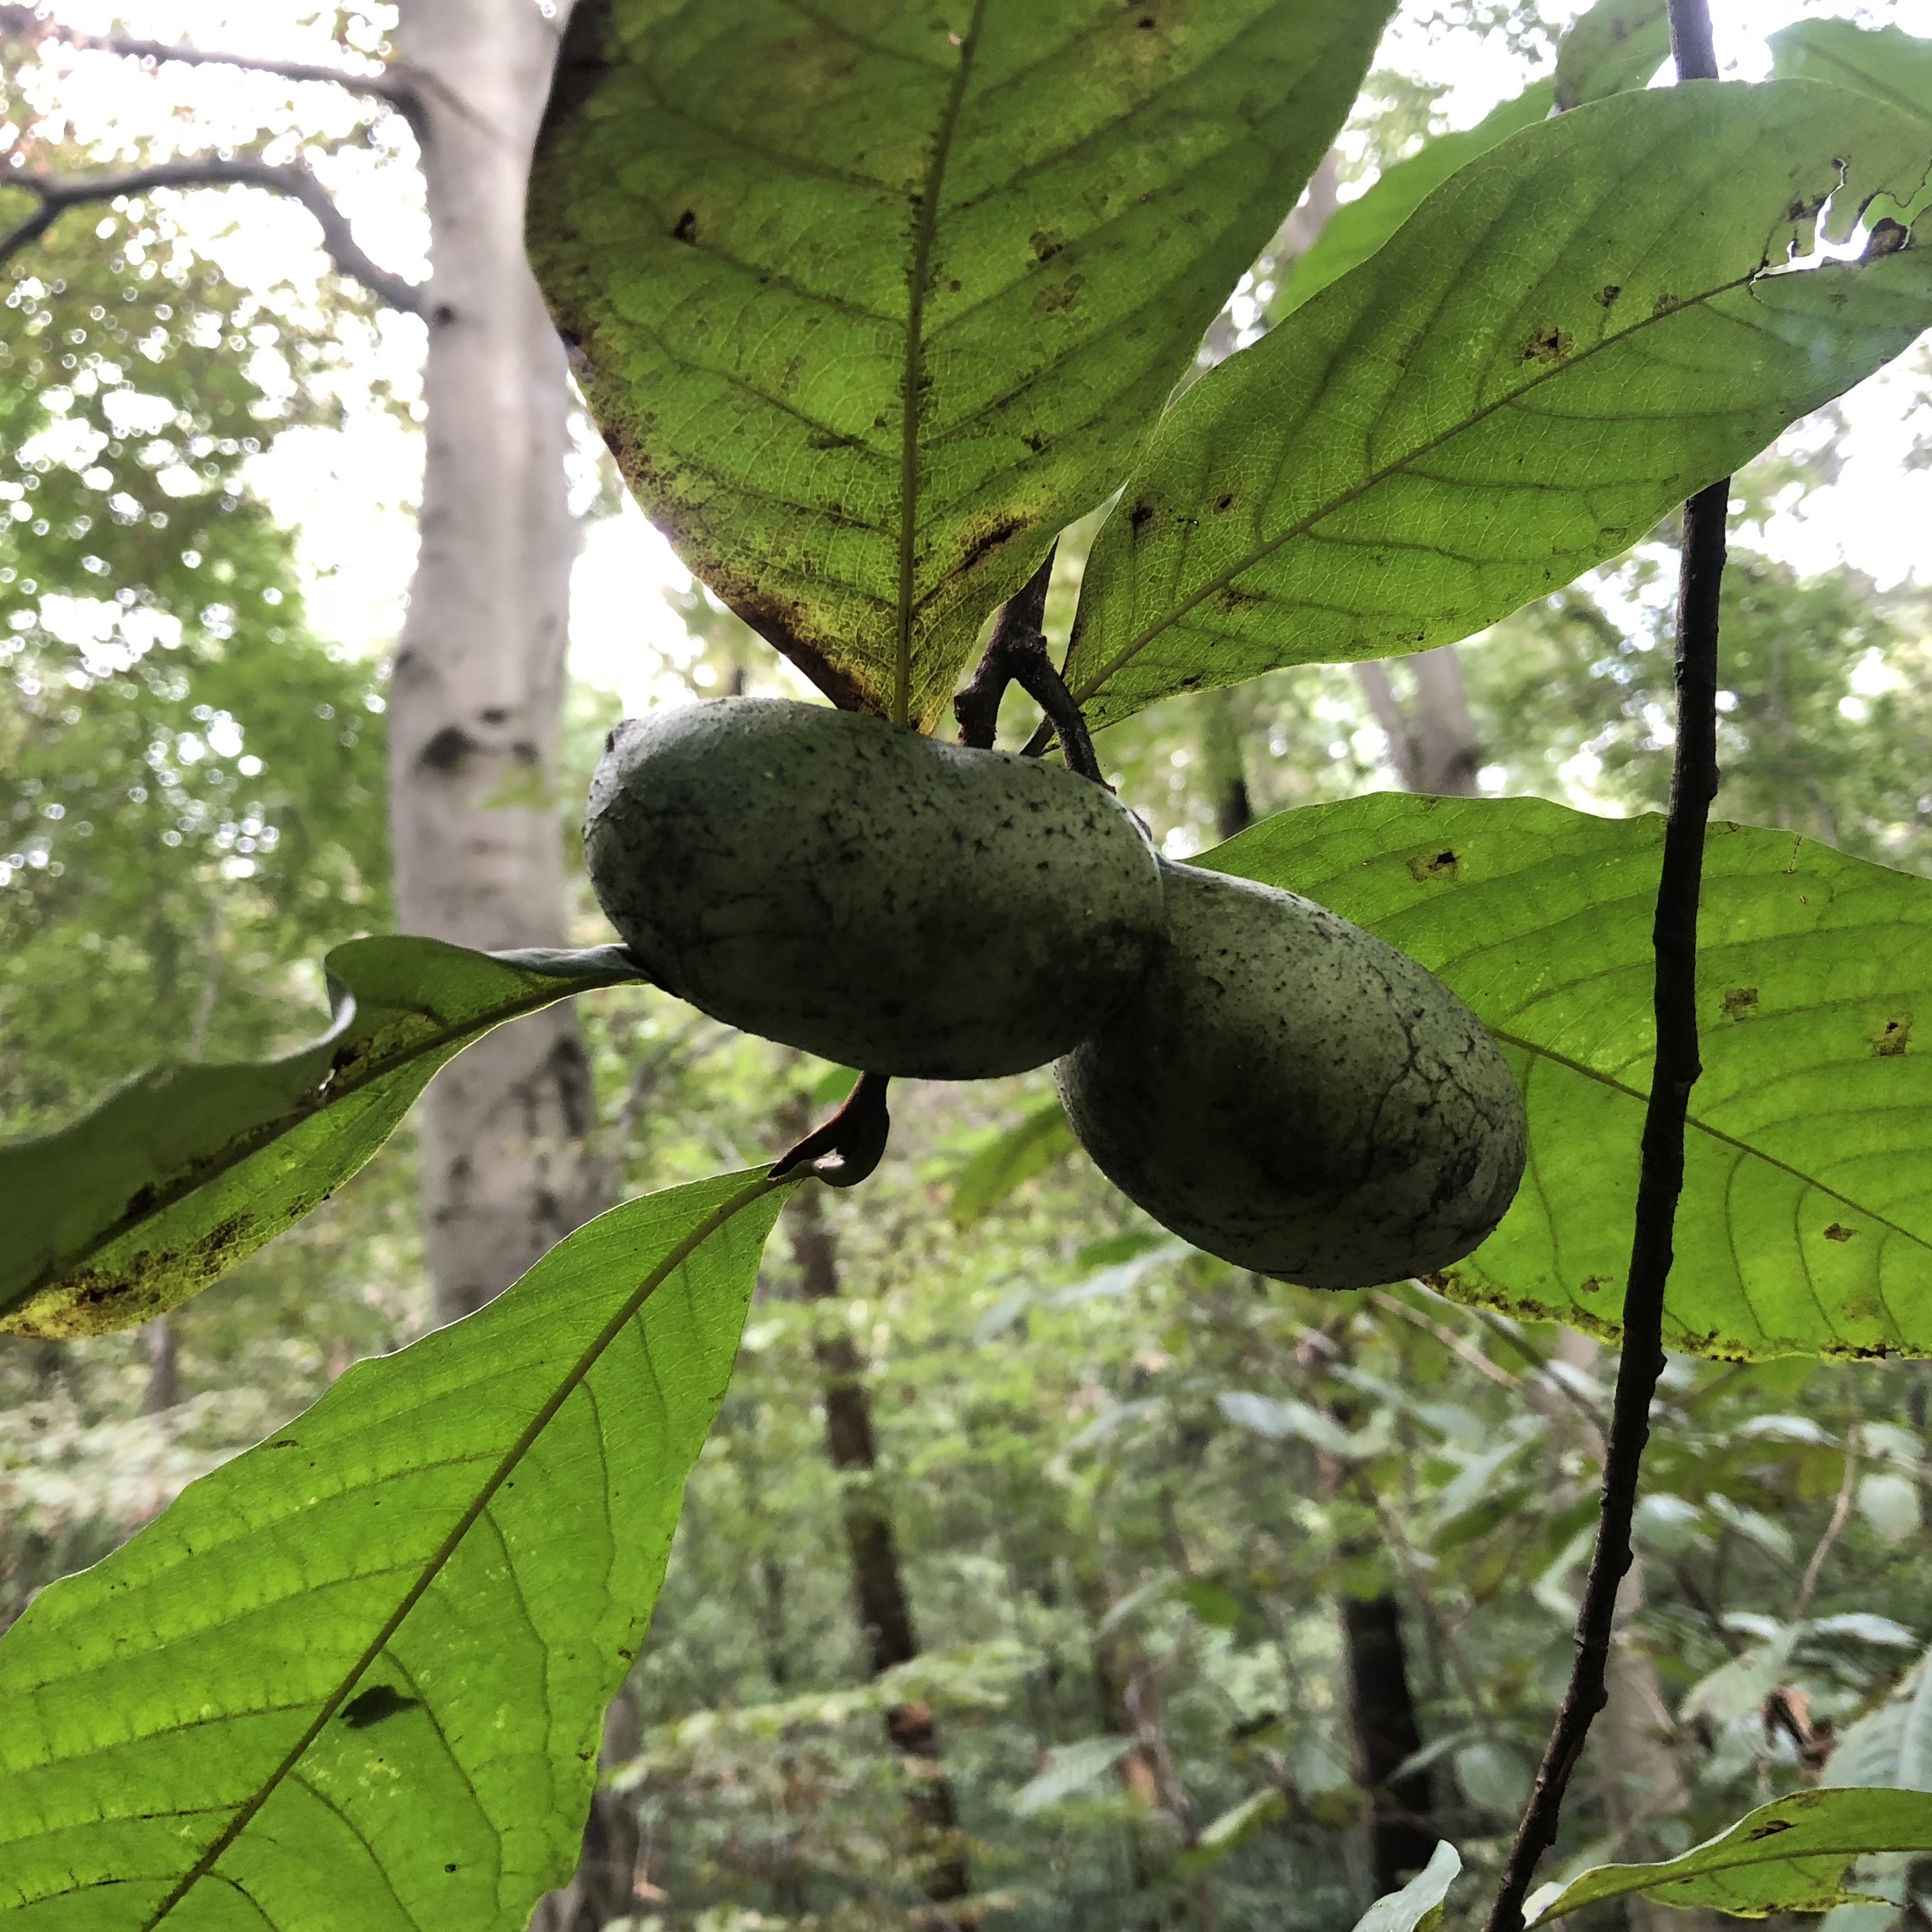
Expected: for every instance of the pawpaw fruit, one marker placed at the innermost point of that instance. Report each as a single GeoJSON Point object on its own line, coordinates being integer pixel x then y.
{"type": "Point", "coordinates": [887, 901]}
{"type": "Point", "coordinates": [1295, 1096]}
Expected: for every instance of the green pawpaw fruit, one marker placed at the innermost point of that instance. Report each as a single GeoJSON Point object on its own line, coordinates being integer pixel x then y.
{"type": "Point", "coordinates": [1287, 1092]}
{"type": "Point", "coordinates": [872, 895]}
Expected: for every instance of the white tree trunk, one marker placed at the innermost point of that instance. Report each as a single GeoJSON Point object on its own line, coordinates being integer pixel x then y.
{"type": "Point", "coordinates": [477, 689]}
{"type": "Point", "coordinates": [1433, 738]}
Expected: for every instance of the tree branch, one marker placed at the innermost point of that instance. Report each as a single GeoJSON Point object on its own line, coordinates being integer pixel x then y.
{"type": "Point", "coordinates": [1017, 655]}
{"type": "Point", "coordinates": [293, 179]}
{"type": "Point", "coordinates": [1675, 1069]}
{"type": "Point", "coordinates": [393, 86]}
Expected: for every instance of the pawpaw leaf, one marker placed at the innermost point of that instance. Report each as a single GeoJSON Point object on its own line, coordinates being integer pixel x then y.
{"type": "Point", "coordinates": [1358, 228]}
{"type": "Point", "coordinates": [356, 1676]}
{"type": "Point", "coordinates": [1618, 45]}
{"type": "Point", "coordinates": [1884, 61]}
{"type": "Point", "coordinates": [1418, 1905]}
{"type": "Point", "coordinates": [870, 298]}
{"type": "Point", "coordinates": [188, 1170]}
{"type": "Point", "coordinates": [1789, 1855]}
{"type": "Point", "coordinates": [1806, 1223]}
{"type": "Point", "coordinates": [1575, 331]}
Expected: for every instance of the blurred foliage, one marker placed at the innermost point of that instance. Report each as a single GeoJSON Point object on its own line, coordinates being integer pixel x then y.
{"type": "Point", "coordinates": [191, 785]}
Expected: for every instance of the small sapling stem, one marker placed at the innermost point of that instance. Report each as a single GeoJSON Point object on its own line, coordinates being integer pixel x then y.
{"type": "Point", "coordinates": [1675, 1069]}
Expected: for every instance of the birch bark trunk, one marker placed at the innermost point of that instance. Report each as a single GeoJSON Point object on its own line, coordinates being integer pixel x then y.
{"type": "Point", "coordinates": [475, 704]}
{"type": "Point", "coordinates": [477, 690]}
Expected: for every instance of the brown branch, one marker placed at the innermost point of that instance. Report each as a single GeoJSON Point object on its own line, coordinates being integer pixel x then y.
{"type": "Point", "coordinates": [1841, 1509]}
{"type": "Point", "coordinates": [293, 179]}
{"type": "Point", "coordinates": [1675, 1069]}
{"type": "Point", "coordinates": [393, 85]}
{"type": "Point", "coordinates": [1017, 655]}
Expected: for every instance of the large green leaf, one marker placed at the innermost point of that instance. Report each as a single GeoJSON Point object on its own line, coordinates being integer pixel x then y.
{"type": "Point", "coordinates": [1882, 61]}
{"type": "Point", "coordinates": [1618, 44]}
{"type": "Point", "coordinates": [1358, 228]}
{"type": "Point", "coordinates": [1575, 330]}
{"type": "Point", "coordinates": [1806, 1225]}
{"type": "Point", "coordinates": [1789, 1855]}
{"type": "Point", "coordinates": [872, 297]}
{"type": "Point", "coordinates": [189, 1169]}
{"type": "Point", "coordinates": [355, 1679]}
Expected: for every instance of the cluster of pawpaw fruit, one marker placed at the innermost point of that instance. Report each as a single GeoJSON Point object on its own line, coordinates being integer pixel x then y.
{"type": "Point", "coordinates": [1274, 1084]}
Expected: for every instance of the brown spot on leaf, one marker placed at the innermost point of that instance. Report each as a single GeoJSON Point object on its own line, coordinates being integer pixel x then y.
{"type": "Point", "coordinates": [1838, 1231]}
{"type": "Point", "coordinates": [1887, 238]}
{"type": "Point", "coordinates": [1594, 1284]}
{"type": "Point", "coordinates": [1740, 1002]}
{"type": "Point", "coordinates": [1608, 293]}
{"type": "Point", "coordinates": [1891, 1040]}
{"type": "Point", "coordinates": [1548, 346]}
{"type": "Point", "coordinates": [1432, 865]}
{"type": "Point", "coordinates": [372, 1705]}
{"type": "Point", "coordinates": [1223, 504]}
{"type": "Point", "coordinates": [686, 229]}
{"type": "Point", "coordinates": [1065, 295]}
{"type": "Point", "coordinates": [995, 531]}
{"type": "Point", "coordinates": [1046, 243]}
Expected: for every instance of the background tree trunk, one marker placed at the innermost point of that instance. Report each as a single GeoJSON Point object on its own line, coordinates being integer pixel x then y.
{"type": "Point", "coordinates": [1432, 738]}
{"type": "Point", "coordinates": [476, 694]}
{"type": "Point", "coordinates": [475, 703]}
{"type": "Point", "coordinates": [878, 1588]}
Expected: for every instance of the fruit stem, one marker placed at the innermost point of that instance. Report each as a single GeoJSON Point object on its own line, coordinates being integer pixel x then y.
{"type": "Point", "coordinates": [1017, 655]}
{"type": "Point", "coordinates": [845, 1149]}
{"type": "Point", "coordinates": [1675, 1069]}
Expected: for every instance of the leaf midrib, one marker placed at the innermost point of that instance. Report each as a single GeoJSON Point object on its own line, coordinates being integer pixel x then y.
{"type": "Point", "coordinates": [1092, 686]}
{"type": "Point", "coordinates": [913, 378]}
{"type": "Point", "coordinates": [567, 1385]}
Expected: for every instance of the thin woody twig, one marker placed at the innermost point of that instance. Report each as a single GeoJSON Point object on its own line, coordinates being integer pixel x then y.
{"type": "Point", "coordinates": [392, 85]}
{"type": "Point", "coordinates": [57, 193]}
{"type": "Point", "coordinates": [1675, 1069]}
{"type": "Point", "coordinates": [1840, 1509]}
{"type": "Point", "coordinates": [1450, 1339]}
{"type": "Point", "coordinates": [1017, 655]}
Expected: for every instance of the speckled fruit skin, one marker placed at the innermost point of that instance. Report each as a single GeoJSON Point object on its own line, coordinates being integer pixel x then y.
{"type": "Point", "coordinates": [876, 897]}
{"type": "Point", "coordinates": [1289, 1092]}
